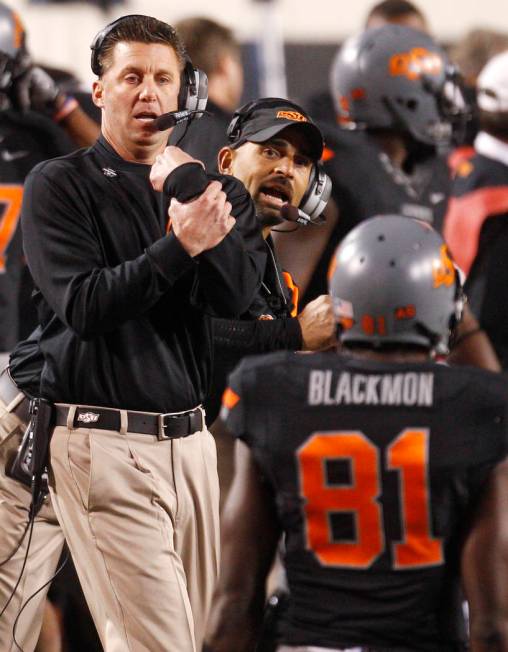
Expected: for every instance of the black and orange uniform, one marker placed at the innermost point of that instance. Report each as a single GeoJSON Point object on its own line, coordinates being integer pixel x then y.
{"type": "Point", "coordinates": [365, 183]}
{"type": "Point", "coordinates": [268, 325]}
{"type": "Point", "coordinates": [476, 230]}
{"type": "Point", "coordinates": [25, 140]}
{"type": "Point", "coordinates": [374, 469]}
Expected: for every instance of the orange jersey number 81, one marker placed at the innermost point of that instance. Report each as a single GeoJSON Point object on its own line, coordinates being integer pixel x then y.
{"type": "Point", "coordinates": [407, 455]}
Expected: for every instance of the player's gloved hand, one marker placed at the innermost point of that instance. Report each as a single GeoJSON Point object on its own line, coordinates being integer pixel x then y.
{"type": "Point", "coordinates": [35, 90]}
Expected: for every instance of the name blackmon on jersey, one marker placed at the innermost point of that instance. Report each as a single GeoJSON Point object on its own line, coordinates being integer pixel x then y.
{"type": "Point", "coordinates": [360, 389]}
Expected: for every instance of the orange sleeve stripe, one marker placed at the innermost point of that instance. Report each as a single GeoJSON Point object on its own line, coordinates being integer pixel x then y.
{"type": "Point", "coordinates": [464, 220]}
{"type": "Point", "coordinates": [230, 398]}
{"type": "Point", "coordinates": [294, 292]}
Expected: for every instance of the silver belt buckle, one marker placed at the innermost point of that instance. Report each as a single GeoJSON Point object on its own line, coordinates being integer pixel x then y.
{"type": "Point", "coordinates": [161, 435]}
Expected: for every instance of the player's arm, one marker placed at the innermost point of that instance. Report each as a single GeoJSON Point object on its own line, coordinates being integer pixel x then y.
{"type": "Point", "coordinates": [471, 345]}
{"type": "Point", "coordinates": [485, 567]}
{"type": "Point", "coordinates": [79, 126]}
{"type": "Point", "coordinates": [35, 90]}
{"type": "Point", "coordinates": [249, 535]}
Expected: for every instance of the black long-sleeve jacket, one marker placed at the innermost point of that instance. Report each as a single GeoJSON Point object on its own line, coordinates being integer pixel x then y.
{"type": "Point", "coordinates": [124, 309]}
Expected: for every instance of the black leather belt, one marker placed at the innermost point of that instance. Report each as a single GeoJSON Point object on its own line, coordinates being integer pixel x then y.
{"type": "Point", "coordinates": [9, 391]}
{"type": "Point", "coordinates": [165, 426]}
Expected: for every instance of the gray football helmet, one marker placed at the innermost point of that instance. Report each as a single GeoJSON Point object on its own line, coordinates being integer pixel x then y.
{"type": "Point", "coordinates": [393, 282]}
{"type": "Point", "coordinates": [394, 77]}
{"type": "Point", "coordinates": [14, 58]}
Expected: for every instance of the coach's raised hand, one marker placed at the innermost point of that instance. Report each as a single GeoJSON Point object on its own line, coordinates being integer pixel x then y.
{"type": "Point", "coordinates": [171, 158]}
{"type": "Point", "coordinates": [203, 222]}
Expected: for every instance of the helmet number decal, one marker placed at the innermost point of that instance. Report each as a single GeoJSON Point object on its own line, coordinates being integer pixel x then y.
{"type": "Point", "coordinates": [358, 497]}
{"type": "Point", "coordinates": [372, 325]}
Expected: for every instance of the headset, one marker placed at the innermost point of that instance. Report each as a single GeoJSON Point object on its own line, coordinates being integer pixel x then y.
{"type": "Point", "coordinates": [319, 188]}
{"type": "Point", "coordinates": [193, 93]}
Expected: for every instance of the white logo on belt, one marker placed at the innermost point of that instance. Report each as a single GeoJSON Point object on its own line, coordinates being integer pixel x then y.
{"type": "Point", "coordinates": [88, 417]}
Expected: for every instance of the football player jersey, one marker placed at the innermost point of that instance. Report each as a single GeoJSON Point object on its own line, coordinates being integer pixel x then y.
{"type": "Point", "coordinates": [25, 140]}
{"type": "Point", "coordinates": [476, 230]}
{"type": "Point", "coordinates": [365, 183]}
{"type": "Point", "coordinates": [375, 470]}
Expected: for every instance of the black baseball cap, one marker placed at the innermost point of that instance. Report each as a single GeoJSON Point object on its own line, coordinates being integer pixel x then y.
{"type": "Point", "coordinates": [260, 120]}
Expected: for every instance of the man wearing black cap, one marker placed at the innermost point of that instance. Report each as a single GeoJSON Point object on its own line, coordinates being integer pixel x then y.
{"type": "Point", "coordinates": [274, 150]}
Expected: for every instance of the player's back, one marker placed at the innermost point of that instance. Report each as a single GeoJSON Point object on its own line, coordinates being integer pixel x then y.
{"type": "Point", "coordinates": [376, 468]}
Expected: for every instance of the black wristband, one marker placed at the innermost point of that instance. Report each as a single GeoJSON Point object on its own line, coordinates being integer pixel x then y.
{"type": "Point", "coordinates": [186, 182]}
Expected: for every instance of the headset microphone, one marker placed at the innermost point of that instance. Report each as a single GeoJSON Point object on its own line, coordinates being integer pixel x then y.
{"type": "Point", "coordinates": [293, 214]}
{"type": "Point", "coordinates": [167, 120]}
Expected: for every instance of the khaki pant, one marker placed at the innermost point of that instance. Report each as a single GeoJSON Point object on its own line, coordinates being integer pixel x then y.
{"type": "Point", "coordinates": [45, 547]}
{"type": "Point", "coordinates": [141, 520]}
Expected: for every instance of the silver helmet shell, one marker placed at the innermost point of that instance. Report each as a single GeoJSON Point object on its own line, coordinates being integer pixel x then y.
{"type": "Point", "coordinates": [395, 77]}
{"type": "Point", "coordinates": [13, 53]}
{"type": "Point", "coordinates": [393, 282]}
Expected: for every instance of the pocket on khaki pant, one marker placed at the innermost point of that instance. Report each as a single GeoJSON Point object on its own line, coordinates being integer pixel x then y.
{"type": "Point", "coordinates": [79, 461]}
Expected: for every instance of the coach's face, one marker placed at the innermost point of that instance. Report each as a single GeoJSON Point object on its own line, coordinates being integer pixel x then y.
{"type": "Point", "coordinates": [274, 172]}
{"type": "Point", "coordinates": [141, 81]}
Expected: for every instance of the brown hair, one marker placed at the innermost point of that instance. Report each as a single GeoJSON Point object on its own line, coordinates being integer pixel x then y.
{"type": "Point", "coordinates": [206, 42]}
{"type": "Point", "coordinates": [392, 10]}
{"type": "Point", "coordinates": [139, 29]}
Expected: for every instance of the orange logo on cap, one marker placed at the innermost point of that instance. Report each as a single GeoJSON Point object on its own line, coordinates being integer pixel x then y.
{"type": "Point", "coordinates": [444, 269]}
{"type": "Point", "coordinates": [415, 63]}
{"type": "Point", "coordinates": [292, 115]}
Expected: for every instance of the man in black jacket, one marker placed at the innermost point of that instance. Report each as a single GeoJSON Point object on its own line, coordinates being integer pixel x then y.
{"type": "Point", "coordinates": [125, 289]}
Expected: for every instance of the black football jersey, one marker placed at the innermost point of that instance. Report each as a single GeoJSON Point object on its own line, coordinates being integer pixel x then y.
{"type": "Point", "coordinates": [365, 183]}
{"type": "Point", "coordinates": [25, 140]}
{"type": "Point", "coordinates": [375, 469]}
{"type": "Point", "coordinates": [476, 230]}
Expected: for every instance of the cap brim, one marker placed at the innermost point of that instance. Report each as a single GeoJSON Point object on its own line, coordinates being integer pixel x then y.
{"type": "Point", "coordinates": [315, 138]}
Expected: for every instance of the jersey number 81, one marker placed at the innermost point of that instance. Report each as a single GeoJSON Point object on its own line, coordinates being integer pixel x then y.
{"type": "Point", "coordinates": [407, 454]}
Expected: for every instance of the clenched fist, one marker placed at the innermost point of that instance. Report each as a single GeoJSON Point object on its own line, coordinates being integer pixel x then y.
{"type": "Point", "coordinates": [203, 222]}
{"type": "Point", "coordinates": [318, 324]}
